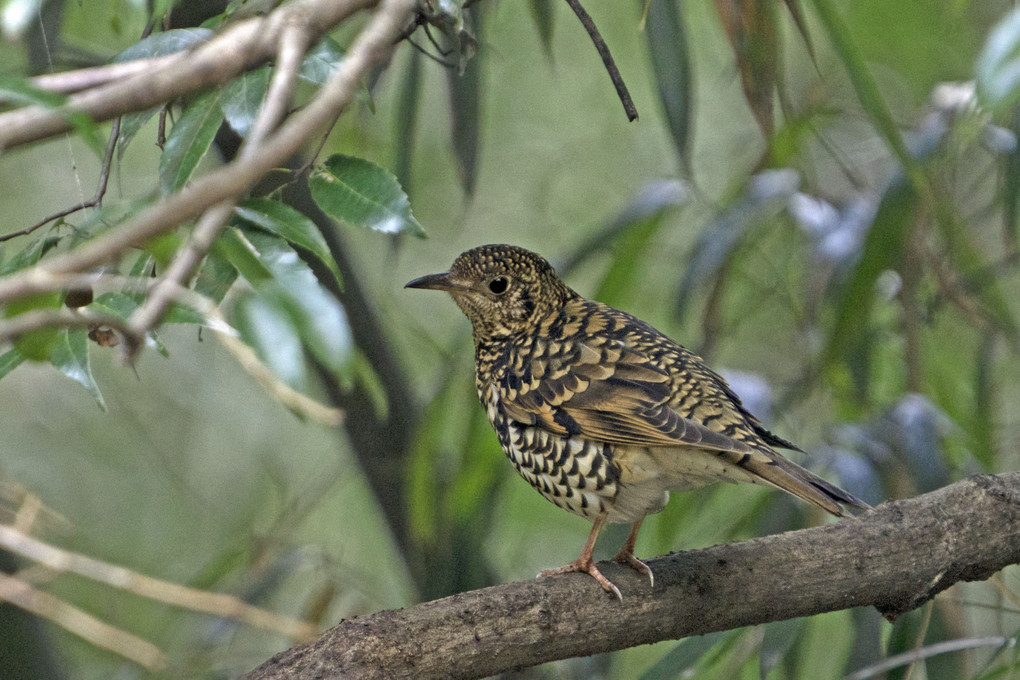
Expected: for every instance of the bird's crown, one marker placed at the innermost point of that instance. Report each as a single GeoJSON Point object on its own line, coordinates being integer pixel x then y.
{"type": "Point", "coordinates": [503, 289]}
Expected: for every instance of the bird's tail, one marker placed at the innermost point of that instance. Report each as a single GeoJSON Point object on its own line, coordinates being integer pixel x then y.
{"type": "Point", "coordinates": [792, 478]}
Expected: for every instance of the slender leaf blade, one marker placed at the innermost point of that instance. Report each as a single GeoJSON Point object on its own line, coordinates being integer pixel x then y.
{"type": "Point", "coordinates": [668, 47]}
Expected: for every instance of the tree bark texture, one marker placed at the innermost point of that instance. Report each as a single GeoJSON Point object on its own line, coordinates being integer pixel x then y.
{"type": "Point", "coordinates": [895, 558]}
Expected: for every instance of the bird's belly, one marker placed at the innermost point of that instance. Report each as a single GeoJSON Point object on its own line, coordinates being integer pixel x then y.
{"type": "Point", "coordinates": [576, 474]}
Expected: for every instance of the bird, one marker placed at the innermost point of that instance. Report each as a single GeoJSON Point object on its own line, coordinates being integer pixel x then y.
{"type": "Point", "coordinates": [600, 412]}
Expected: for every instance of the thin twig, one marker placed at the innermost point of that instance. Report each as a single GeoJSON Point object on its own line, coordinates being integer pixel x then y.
{"type": "Point", "coordinates": [217, 604]}
{"type": "Point", "coordinates": [82, 624]}
{"type": "Point", "coordinates": [293, 44]}
{"type": "Point", "coordinates": [914, 655]}
{"type": "Point", "coordinates": [607, 58]}
{"type": "Point", "coordinates": [70, 82]}
{"type": "Point", "coordinates": [97, 198]}
{"type": "Point", "coordinates": [38, 319]}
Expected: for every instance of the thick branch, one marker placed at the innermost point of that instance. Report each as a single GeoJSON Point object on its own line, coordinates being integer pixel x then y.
{"type": "Point", "coordinates": [895, 558]}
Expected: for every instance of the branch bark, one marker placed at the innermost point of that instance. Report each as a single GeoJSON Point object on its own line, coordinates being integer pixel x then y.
{"type": "Point", "coordinates": [895, 558]}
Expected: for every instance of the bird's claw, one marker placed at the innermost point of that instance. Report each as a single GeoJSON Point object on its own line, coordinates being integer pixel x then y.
{"type": "Point", "coordinates": [587, 567]}
{"type": "Point", "coordinates": [635, 564]}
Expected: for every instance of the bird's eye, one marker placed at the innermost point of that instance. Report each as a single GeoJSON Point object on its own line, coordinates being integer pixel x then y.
{"type": "Point", "coordinates": [499, 285]}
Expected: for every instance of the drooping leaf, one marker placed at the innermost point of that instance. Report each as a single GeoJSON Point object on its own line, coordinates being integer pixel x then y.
{"type": "Point", "coordinates": [363, 194]}
{"type": "Point", "coordinates": [71, 357]}
{"type": "Point", "coordinates": [751, 28]}
{"type": "Point", "coordinates": [241, 99]}
{"type": "Point", "coordinates": [544, 17]}
{"type": "Point", "coordinates": [779, 638]}
{"type": "Point", "coordinates": [669, 49]}
{"type": "Point", "coordinates": [188, 142]}
{"type": "Point", "coordinates": [283, 220]}
{"type": "Point", "coordinates": [464, 92]}
{"type": "Point", "coordinates": [269, 330]}
{"type": "Point", "coordinates": [1011, 184]}
{"type": "Point", "coordinates": [684, 656]}
{"type": "Point", "coordinates": [882, 248]}
{"type": "Point", "coordinates": [29, 255]}
{"type": "Point", "coordinates": [765, 195]}
{"type": "Point", "coordinates": [9, 361]}
{"type": "Point", "coordinates": [406, 119]}
{"type": "Point", "coordinates": [998, 66]}
{"type": "Point", "coordinates": [315, 313]}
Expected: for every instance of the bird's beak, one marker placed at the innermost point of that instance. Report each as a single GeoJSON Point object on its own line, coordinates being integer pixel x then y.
{"type": "Point", "coordinates": [444, 281]}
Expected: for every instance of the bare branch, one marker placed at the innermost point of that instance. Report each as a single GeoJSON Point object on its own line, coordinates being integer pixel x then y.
{"type": "Point", "coordinates": [607, 58]}
{"type": "Point", "coordinates": [895, 558]}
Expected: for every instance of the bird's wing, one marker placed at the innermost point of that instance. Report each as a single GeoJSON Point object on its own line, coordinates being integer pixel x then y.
{"type": "Point", "coordinates": [612, 393]}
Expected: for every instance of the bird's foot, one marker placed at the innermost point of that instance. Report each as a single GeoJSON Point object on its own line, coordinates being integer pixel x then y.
{"type": "Point", "coordinates": [627, 557]}
{"type": "Point", "coordinates": [587, 566]}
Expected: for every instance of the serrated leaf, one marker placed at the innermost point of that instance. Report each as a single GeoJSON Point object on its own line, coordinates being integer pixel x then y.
{"type": "Point", "coordinates": [543, 16]}
{"type": "Point", "coordinates": [9, 361]}
{"type": "Point", "coordinates": [241, 99]}
{"type": "Point", "coordinates": [269, 330]}
{"type": "Point", "coordinates": [321, 62]}
{"type": "Point", "coordinates": [188, 142]}
{"type": "Point", "coordinates": [668, 47]}
{"type": "Point", "coordinates": [362, 194]}
{"type": "Point", "coordinates": [283, 220]}
{"type": "Point", "coordinates": [71, 357]}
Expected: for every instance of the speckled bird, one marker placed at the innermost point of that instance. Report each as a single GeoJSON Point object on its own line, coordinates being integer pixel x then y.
{"type": "Point", "coordinates": [601, 413]}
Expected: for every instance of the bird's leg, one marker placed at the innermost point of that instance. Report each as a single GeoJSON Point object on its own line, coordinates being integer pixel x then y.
{"type": "Point", "coordinates": [585, 563]}
{"type": "Point", "coordinates": [626, 554]}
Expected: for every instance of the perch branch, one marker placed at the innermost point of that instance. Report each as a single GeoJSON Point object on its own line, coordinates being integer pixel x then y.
{"type": "Point", "coordinates": [895, 558]}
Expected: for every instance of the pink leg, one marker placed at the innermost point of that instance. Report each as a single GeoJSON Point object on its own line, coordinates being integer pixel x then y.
{"type": "Point", "coordinates": [626, 554]}
{"type": "Point", "coordinates": [584, 562]}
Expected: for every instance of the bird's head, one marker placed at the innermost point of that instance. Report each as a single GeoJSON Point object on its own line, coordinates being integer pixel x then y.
{"type": "Point", "coordinates": [503, 290]}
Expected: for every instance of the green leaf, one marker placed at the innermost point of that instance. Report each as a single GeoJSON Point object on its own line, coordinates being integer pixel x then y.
{"type": "Point", "coordinates": [9, 361]}
{"type": "Point", "coordinates": [188, 142]}
{"type": "Point", "coordinates": [215, 278]}
{"type": "Point", "coordinates": [36, 344]}
{"type": "Point", "coordinates": [122, 306]}
{"type": "Point", "coordinates": [544, 17]}
{"type": "Point", "coordinates": [242, 99]}
{"type": "Point", "coordinates": [684, 656]}
{"type": "Point", "coordinates": [318, 316]}
{"type": "Point", "coordinates": [238, 251]}
{"type": "Point", "coordinates": [20, 91]}
{"type": "Point", "coordinates": [668, 46]}
{"type": "Point", "coordinates": [30, 255]}
{"type": "Point", "coordinates": [321, 62]}
{"type": "Point", "coordinates": [998, 66]}
{"type": "Point", "coordinates": [281, 219]}
{"type": "Point", "coordinates": [779, 638]}
{"type": "Point", "coordinates": [464, 93]}
{"type": "Point", "coordinates": [882, 249]}
{"type": "Point", "coordinates": [406, 119]}
{"type": "Point", "coordinates": [166, 42]}
{"type": "Point", "coordinates": [268, 329]}
{"type": "Point", "coordinates": [363, 194]}
{"type": "Point", "coordinates": [71, 357]}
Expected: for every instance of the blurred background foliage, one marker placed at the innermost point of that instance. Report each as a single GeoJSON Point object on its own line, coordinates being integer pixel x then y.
{"type": "Point", "coordinates": [820, 197]}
